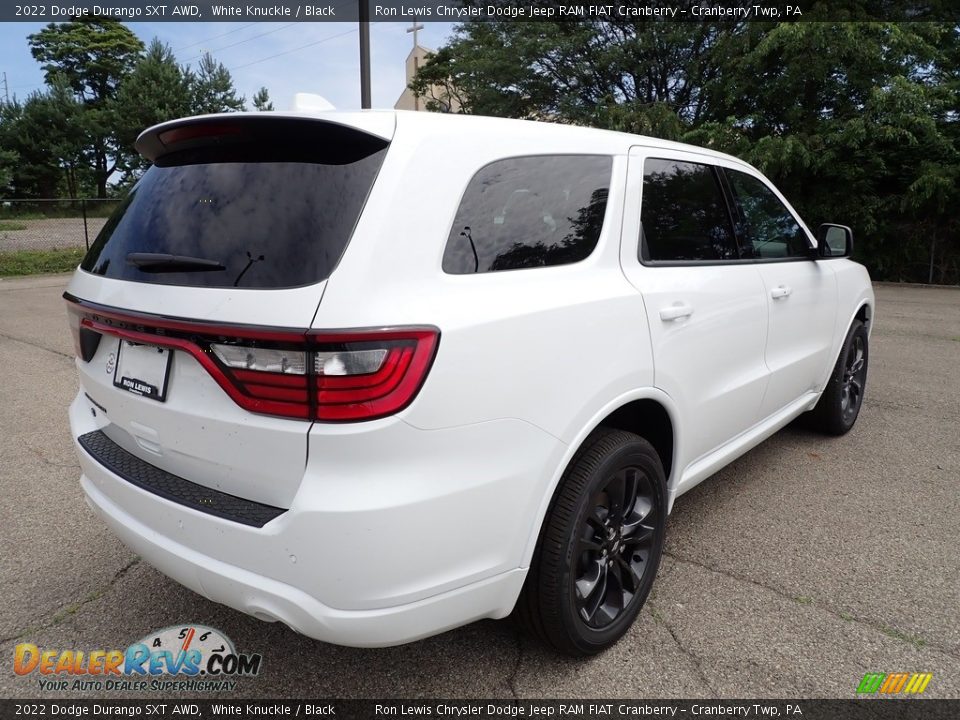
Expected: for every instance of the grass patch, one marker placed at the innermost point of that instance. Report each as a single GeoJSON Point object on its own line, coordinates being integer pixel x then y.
{"type": "Point", "coordinates": [10, 225]}
{"type": "Point", "coordinates": [804, 600]}
{"type": "Point", "coordinates": [917, 642]}
{"type": "Point", "coordinates": [36, 262]}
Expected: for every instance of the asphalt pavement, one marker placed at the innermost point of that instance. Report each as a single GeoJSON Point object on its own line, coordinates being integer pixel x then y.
{"type": "Point", "coordinates": [803, 565]}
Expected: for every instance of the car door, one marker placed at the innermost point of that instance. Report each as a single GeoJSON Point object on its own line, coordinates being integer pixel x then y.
{"type": "Point", "coordinates": [706, 309]}
{"type": "Point", "coordinates": [800, 292]}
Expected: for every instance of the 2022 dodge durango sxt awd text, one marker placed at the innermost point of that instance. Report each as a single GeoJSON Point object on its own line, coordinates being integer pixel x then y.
{"type": "Point", "coordinates": [380, 374]}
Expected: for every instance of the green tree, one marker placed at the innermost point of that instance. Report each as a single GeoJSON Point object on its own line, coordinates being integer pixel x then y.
{"type": "Point", "coordinates": [155, 91]}
{"type": "Point", "coordinates": [212, 88]}
{"type": "Point", "coordinates": [8, 163]}
{"type": "Point", "coordinates": [261, 101]}
{"type": "Point", "coordinates": [46, 133]}
{"type": "Point", "coordinates": [850, 120]}
{"type": "Point", "coordinates": [856, 122]}
{"type": "Point", "coordinates": [627, 75]}
{"type": "Point", "coordinates": [92, 57]}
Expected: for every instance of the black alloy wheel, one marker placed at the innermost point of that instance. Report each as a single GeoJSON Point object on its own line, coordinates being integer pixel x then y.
{"type": "Point", "coordinates": [600, 546]}
{"type": "Point", "coordinates": [842, 398]}
{"type": "Point", "coordinates": [614, 548]}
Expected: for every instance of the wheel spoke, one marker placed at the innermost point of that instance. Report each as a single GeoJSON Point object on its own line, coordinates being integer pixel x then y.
{"type": "Point", "coordinates": [628, 574]}
{"type": "Point", "coordinates": [589, 545]}
{"type": "Point", "coordinates": [642, 536]}
{"type": "Point", "coordinates": [617, 493]}
{"type": "Point", "coordinates": [598, 516]}
{"type": "Point", "coordinates": [587, 583]}
{"type": "Point", "coordinates": [595, 598]}
{"type": "Point", "coordinates": [642, 510]}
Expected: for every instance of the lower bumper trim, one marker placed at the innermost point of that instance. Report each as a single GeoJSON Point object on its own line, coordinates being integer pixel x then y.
{"type": "Point", "coordinates": [173, 487]}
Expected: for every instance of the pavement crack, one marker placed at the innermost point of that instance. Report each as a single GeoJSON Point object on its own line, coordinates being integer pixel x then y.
{"type": "Point", "coordinates": [894, 633]}
{"type": "Point", "coordinates": [47, 461]}
{"type": "Point", "coordinates": [62, 614]}
{"type": "Point", "coordinates": [659, 618]}
{"type": "Point", "coordinates": [36, 345]}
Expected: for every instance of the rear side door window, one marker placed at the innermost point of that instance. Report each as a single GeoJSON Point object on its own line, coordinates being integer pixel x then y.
{"type": "Point", "coordinates": [766, 228]}
{"type": "Point", "coordinates": [527, 212]}
{"type": "Point", "coordinates": [683, 214]}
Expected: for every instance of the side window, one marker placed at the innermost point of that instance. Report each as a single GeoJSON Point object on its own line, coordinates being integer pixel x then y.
{"type": "Point", "coordinates": [527, 212]}
{"type": "Point", "coordinates": [767, 228]}
{"type": "Point", "coordinates": [683, 215]}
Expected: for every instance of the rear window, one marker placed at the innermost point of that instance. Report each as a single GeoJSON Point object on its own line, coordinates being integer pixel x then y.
{"type": "Point", "coordinates": [527, 212]}
{"type": "Point", "coordinates": [269, 207]}
{"type": "Point", "coordinates": [683, 215]}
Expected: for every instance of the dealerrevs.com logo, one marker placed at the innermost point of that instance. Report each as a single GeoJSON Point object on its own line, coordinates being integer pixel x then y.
{"type": "Point", "coordinates": [894, 683]}
{"type": "Point", "coordinates": [178, 658]}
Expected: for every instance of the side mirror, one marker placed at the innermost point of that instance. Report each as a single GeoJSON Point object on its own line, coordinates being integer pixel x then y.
{"type": "Point", "coordinates": [834, 241]}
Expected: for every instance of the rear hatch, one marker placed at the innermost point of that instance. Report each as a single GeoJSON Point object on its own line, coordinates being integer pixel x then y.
{"type": "Point", "coordinates": [192, 306]}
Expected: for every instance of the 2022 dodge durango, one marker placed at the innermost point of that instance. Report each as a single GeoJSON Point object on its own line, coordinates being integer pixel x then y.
{"type": "Point", "coordinates": [380, 374]}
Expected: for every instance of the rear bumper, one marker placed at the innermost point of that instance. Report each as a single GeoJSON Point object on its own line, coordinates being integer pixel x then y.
{"type": "Point", "coordinates": [271, 600]}
{"type": "Point", "coordinates": [384, 544]}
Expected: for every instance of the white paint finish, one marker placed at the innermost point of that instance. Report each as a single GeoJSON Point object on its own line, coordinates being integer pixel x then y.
{"type": "Point", "coordinates": [409, 525]}
{"type": "Point", "coordinates": [708, 327]}
{"type": "Point", "coordinates": [199, 433]}
{"type": "Point", "coordinates": [801, 328]}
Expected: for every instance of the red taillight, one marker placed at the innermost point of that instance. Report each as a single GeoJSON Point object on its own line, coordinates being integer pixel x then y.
{"type": "Point", "coordinates": [206, 131]}
{"type": "Point", "coordinates": [310, 375]}
{"type": "Point", "coordinates": [388, 389]}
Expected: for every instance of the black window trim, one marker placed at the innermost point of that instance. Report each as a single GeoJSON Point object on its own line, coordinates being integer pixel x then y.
{"type": "Point", "coordinates": [720, 174]}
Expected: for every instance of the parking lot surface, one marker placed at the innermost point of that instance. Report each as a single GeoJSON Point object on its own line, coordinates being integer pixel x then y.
{"type": "Point", "coordinates": [803, 565]}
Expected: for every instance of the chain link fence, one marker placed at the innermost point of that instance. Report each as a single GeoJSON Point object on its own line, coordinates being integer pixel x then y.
{"type": "Point", "coordinates": [52, 224]}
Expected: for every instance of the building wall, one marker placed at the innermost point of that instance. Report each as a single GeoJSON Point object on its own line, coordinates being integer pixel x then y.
{"type": "Point", "coordinates": [407, 100]}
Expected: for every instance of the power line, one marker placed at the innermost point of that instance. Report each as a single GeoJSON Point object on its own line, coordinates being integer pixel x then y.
{"type": "Point", "coordinates": [240, 42]}
{"type": "Point", "coordinates": [287, 52]}
{"type": "Point", "coordinates": [214, 37]}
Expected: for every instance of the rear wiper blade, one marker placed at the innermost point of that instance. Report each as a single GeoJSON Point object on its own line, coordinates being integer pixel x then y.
{"type": "Point", "coordinates": [164, 262]}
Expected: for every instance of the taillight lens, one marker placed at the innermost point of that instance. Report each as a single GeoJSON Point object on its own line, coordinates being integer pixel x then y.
{"type": "Point", "coordinates": [304, 374]}
{"type": "Point", "coordinates": [85, 341]}
{"type": "Point", "coordinates": [286, 362]}
{"type": "Point", "coordinates": [341, 377]}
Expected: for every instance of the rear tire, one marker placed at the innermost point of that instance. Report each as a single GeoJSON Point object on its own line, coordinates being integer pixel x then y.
{"type": "Point", "coordinates": [599, 548]}
{"type": "Point", "coordinates": [839, 406]}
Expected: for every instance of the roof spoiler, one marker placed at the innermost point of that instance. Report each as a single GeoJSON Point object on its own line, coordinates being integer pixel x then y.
{"type": "Point", "coordinates": [225, 128]}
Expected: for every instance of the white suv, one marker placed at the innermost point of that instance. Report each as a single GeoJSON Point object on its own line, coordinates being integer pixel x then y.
{"type": "Point", "coordinates": [380, 374]}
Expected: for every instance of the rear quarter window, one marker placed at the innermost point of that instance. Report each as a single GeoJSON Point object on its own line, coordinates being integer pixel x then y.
{"type": "Point", "coordinates": [527, 212]}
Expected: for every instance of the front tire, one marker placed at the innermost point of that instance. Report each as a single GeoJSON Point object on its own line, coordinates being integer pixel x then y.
{"type": "Point", "coordinates": [600, 546]}
{"type": "Point", "coordinates": [839, 406]}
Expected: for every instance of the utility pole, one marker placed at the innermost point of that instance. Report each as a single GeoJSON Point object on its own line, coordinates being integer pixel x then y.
{"type": "Point", "coordinates": [365, 101]}
{"type": "Point", "coordinates": [416, 61]}
{"type": "Point", "coordinates": [6, 89]}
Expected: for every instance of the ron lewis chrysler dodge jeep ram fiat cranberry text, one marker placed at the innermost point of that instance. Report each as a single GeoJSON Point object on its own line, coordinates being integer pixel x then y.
{"type": "Point", "coordinates": [380, 374]}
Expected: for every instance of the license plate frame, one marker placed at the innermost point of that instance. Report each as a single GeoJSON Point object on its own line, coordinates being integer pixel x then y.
{"type": "Point", "coordinates": [143, 369]}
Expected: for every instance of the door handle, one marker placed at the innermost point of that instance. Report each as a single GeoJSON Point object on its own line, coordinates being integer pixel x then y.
{"type": "Point", "coordinates": [781, 291]}
{"type": "Point", "coordinates": [675, 312]}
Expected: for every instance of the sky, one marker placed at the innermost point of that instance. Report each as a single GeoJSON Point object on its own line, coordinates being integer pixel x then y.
{"type": "Point", "coordinates": [286, 58]}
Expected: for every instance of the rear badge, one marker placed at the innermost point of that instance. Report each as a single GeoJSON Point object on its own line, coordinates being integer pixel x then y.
{"type": "Point", "coordinates": [111, 362]}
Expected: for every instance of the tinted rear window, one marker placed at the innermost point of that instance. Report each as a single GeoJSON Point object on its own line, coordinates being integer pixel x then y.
{"type": "Point", "coordinates": [683, 215]}
{"type": "Point", "coordinates": [527, 212]}
{"type": "Point", "coordinates": [275, 207]}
